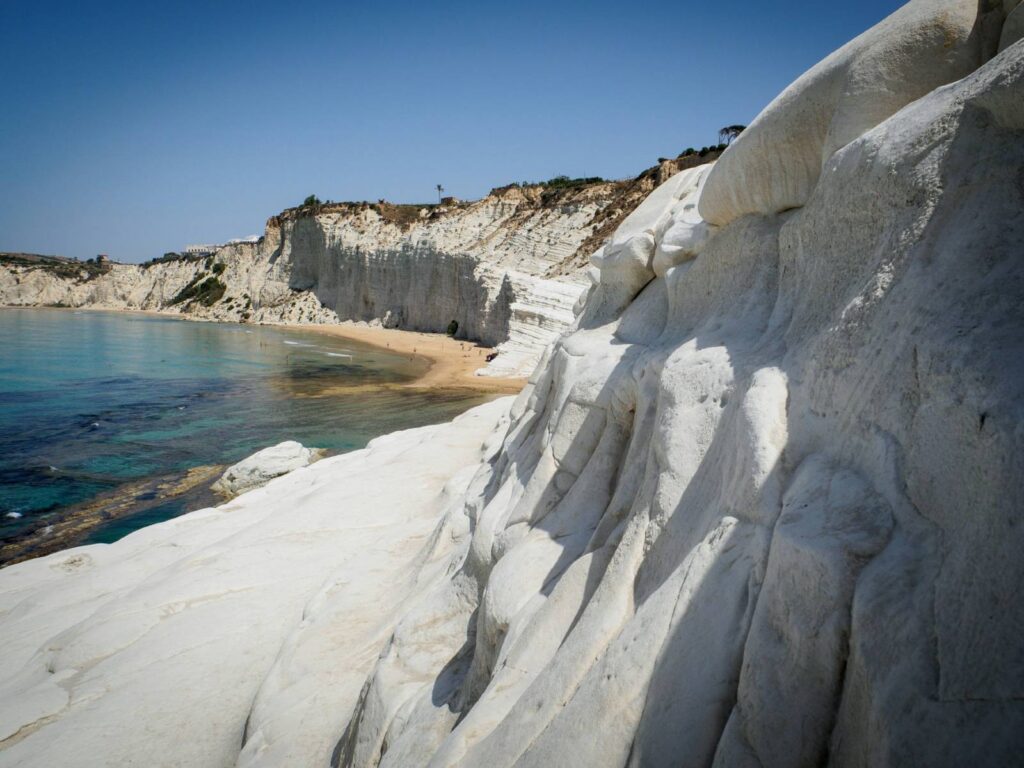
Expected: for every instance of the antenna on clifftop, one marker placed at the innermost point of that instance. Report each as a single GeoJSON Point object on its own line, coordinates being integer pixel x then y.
{"type": "Point", "coordinates": [440, 191]}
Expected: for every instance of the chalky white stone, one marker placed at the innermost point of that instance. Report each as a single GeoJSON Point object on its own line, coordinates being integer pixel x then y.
{"type": "Point", "coordinates": [483, 264]}
{"type": "Point", "coordinates": [763, 507]}
{"type": "Point", "coordinates": [775, 163]}
{"type": "Point", "coordinates": [263, 466]}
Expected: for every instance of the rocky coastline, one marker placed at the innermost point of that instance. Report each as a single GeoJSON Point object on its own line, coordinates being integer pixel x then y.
{"type": "Point", "coordinates": [762, 505]}
{"type": "Point", "coordinates": [506, 270]}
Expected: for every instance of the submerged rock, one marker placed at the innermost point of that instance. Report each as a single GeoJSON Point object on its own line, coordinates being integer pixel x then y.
{"type": "Point", "coordinates": [263, 466]}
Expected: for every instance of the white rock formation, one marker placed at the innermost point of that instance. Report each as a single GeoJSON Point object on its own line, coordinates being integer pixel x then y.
{"type": "Point", "coordinates": [482, 264]}
{"type": "Point", "coordinates": [775, 163]}
{"type": "Point", "coordinates": [762, 508]}
{"type": "Point", "coordinates": [263, 466]}
{"type": "Point", "coordinates": [152, 650]}
{"type": "Point", "coordinates": [542, 312]}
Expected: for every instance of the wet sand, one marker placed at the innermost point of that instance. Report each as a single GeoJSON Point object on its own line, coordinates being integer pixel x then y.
{"type": "Point", "coordinates": [453, 362]}
{"type": "Point", "coordinates": [451, 365]}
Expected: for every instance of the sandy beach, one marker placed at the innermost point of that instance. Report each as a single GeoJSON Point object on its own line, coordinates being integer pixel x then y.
{"type": "Point", "coordinates": [453, 362]}
{"type": "Point", "coordinates": [441, 366]}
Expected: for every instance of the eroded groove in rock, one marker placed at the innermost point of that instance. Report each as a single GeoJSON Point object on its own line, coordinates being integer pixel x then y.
{"type": "Point", "coordinates": [762, 507]}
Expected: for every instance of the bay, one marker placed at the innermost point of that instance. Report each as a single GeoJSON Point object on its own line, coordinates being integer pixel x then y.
{"type": "Point", "coordinates": [94, 404]}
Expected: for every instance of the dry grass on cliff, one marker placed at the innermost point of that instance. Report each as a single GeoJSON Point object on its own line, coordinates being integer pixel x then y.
{"type": "Point", "coordinates": [626, 197]}
{"type": "Point", "coordinates": [403, 215]}
{"type": "Point", "coordinates": [70, 269]}
{"type": "Point", "coordinates": [619, 198]}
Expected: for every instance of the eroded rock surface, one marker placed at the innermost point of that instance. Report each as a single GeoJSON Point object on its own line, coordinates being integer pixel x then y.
{"type": "Point", "coordinates": [506, 268]}
{"type": "Point", "coordinates": [153, 649]}
{"type": "Point", "coordinates": [263, 466]}
{"type": "Point", "coordinates": [761, 508]}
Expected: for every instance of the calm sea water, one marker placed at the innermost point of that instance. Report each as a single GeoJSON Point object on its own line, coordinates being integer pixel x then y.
{"type": "Point", "coordinates": [90, 401]}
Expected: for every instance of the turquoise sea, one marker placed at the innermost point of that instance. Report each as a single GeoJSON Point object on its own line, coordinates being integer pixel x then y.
{"type": "Point", "coordinates": [91, 403]}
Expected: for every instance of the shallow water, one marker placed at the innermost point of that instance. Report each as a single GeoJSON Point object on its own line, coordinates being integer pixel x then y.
{"type": "Point", "coordinates": [91, 401]}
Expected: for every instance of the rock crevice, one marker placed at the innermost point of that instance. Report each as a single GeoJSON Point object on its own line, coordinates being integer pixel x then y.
{"type": "Point", "coordinates": [761, 507]}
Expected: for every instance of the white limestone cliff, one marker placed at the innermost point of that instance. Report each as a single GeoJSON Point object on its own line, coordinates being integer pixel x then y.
{"type": "Point", "coordinates": [761, 508]}
{"type": "Point", "coordinates": [507, 268]}
{"type": "Point", "coordinates": [487, 265]}
{"type": "Point", "coordinates": [776, 162]}
{"type": "Point", "coordinates": [107, 643]}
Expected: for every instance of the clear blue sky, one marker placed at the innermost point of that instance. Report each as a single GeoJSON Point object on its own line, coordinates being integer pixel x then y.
{"type": "Point", "coordinates": [133, 128]}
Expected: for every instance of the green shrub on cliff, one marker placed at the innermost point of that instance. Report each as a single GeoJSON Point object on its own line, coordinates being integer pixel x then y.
{"type": "Point", "coordinates": [205, 290]}
{"type": "Point", "coordinates": [564, 182]}
{"type": "Point", "coordinates": [554, 184]}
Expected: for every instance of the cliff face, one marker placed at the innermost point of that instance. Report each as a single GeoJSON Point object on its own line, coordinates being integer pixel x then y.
{"type": "Point", "coordinates": [506, 268]}
{"type": "Point", "coordinates": [764, 506]}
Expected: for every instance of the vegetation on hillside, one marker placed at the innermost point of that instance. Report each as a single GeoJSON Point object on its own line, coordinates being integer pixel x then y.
{"type": "Point", "coordinates": [702, 152]}
{"type": "Point", "coordinates": [402, 214]}
{"type": "Point", "coordinates": [564, 182]}
{"type": "Point", "coordinates": [552, 184]}
{"type": "Point", "coordinates": [70, 269]}
{"type": "Point", "coordinates": [204, 289]}
{"type": "Point", "coordinates": [730, 132]}
{"type": "Point", "coordinates": [172, 256]}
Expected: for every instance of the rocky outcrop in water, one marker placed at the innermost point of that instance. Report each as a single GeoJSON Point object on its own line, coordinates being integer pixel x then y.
{"type": "Point", "coordinates": [263, 466]}
{"type": "Point", "coordinates": [763, 507]}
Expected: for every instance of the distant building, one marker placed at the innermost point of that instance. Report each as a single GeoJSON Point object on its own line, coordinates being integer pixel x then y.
{"type": "Point", "coordinates": [102, 258]}
{"type": "Point", "coordinates": [200, 250]}
{"type": "Point", "coordinates": [205, 249]}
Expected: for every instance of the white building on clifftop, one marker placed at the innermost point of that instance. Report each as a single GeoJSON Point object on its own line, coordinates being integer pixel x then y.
{"type": "Point", "coordinates": [200, 250]}
{"type": "Point", "coordinates": [205, 249]}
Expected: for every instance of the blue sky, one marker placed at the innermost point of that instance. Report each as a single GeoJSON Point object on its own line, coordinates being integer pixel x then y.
{"type": "Point", "coordinates": [134, 128]}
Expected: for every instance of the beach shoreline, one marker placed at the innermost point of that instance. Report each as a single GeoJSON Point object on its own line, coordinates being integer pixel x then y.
{"type": "Point", "coordinates": [441, 366]}
{"type": "Point", "coordinates": [452, 363]}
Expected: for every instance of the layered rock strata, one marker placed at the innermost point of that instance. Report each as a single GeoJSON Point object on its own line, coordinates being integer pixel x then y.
{"type": "Point", "coordinates": [763, 507]}
{"type": "Point", "coordinates": [506, 269]}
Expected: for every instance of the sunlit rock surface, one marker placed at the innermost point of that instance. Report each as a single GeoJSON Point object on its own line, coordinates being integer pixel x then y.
{"type": "Point", "coordinates": [763, 507]}
{"type": "Point", "coordinates": [154, 649]}
{"type": "Point", "coordinates": [778, 159]}
{"type": "Point", "coordinates": [263, 466]}
{"type": "Point", "coordinates": [483, 264]}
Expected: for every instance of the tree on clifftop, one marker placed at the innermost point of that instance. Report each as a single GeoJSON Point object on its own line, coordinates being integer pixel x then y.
{"type": "Point", "coordinates": [311, 200]}
{"type": "Point", "coordinates": [730, 132]}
